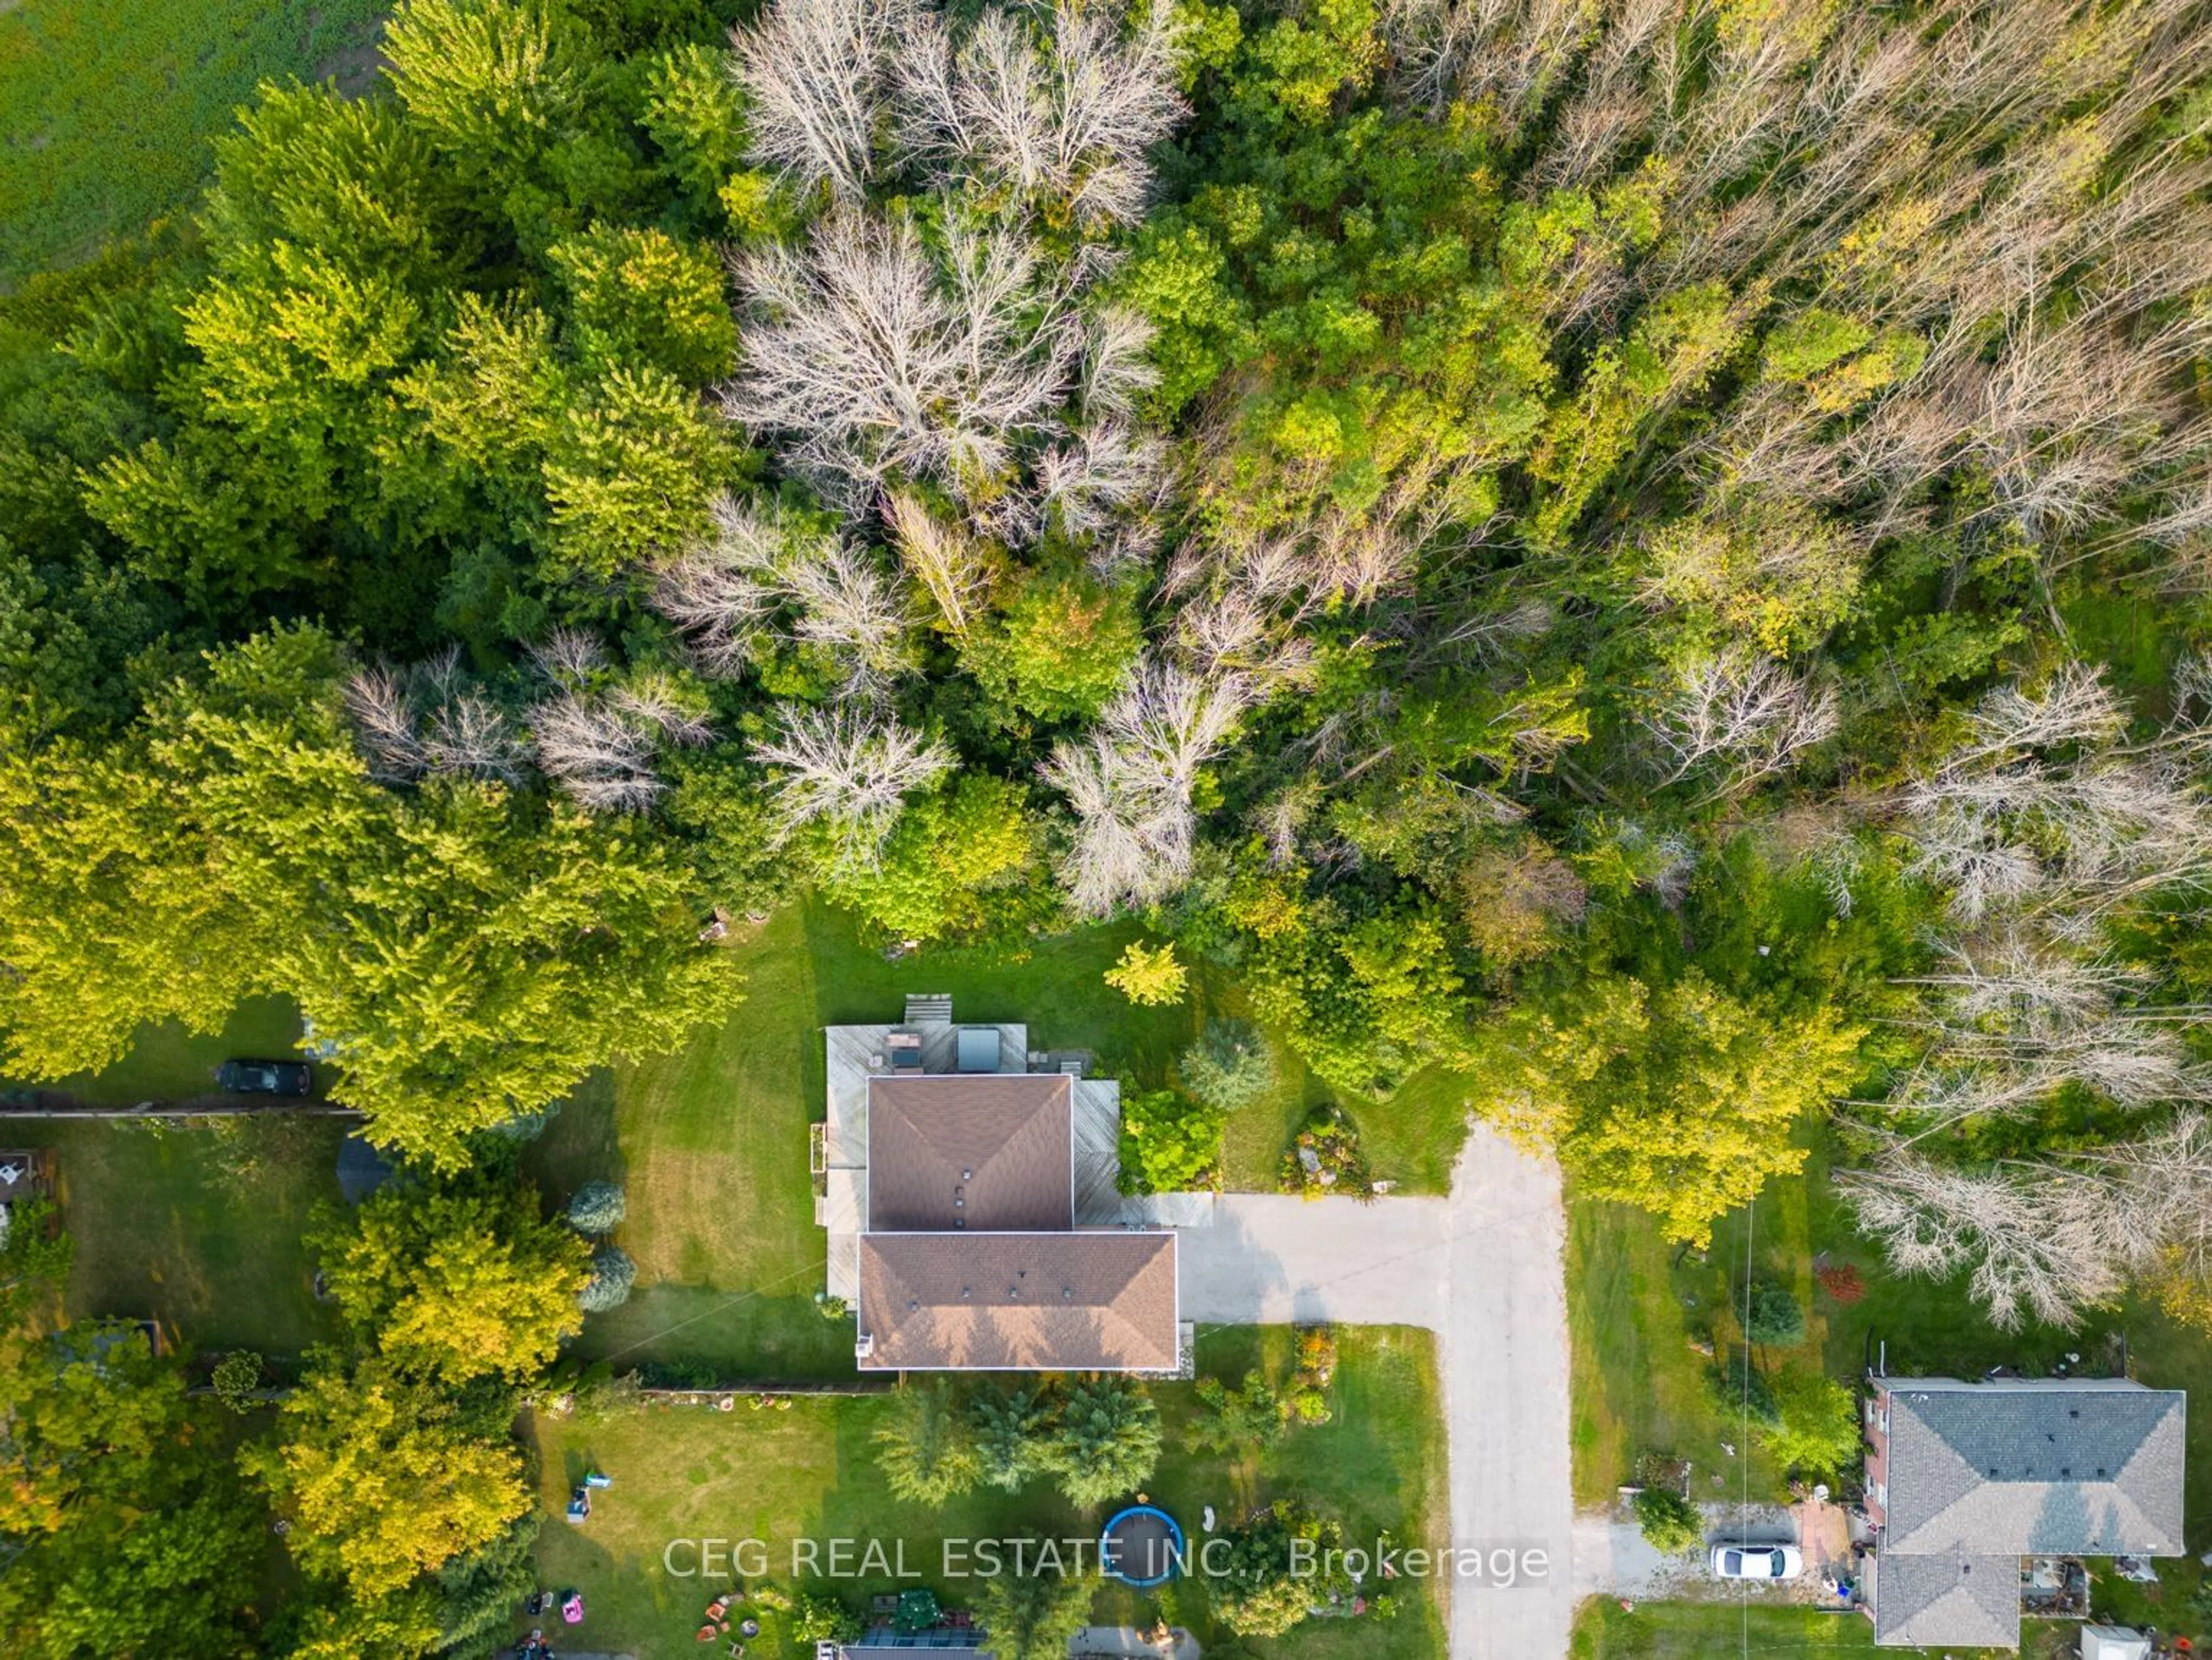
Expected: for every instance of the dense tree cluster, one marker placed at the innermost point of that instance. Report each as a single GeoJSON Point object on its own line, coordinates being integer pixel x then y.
{"type": "Point", "coordinates": [1098, 1438]}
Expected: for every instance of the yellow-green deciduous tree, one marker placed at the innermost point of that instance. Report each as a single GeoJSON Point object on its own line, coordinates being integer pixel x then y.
{"type": "Point", "coordinates": [385, 1478]}
{"type": "Point", "coordinates": [1149, 975]}
{"type": "Point", "coordinates": [1679, 1099]}
{"type": "Point", "coordinates": [458, 1284]}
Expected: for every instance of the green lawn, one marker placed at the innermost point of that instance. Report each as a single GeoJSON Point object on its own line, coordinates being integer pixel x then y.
{"type": "Point", "coordinates": [1717, 1631]}
{"type": "Point", "coordinates": [809, 1471]}
{"type": "Point", "coordinates": [109, 108]}
{"type": "Point", "coordinates": [1412, 1138]}
{"type": "Point", "coordinates": [168, 1063]}
{"type": "Point", "coordinates": [199, 1227]}
{"type": "Point", "coordinates": [710, 1142]}
{"type": "Point", "coordinates": [1637, 1311]}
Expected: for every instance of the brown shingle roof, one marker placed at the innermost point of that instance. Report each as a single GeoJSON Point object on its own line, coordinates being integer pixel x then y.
{"type": "Point", "coordinates": [989, 1153]}
{"type": "Point", "coordinates": [1044, 1302]}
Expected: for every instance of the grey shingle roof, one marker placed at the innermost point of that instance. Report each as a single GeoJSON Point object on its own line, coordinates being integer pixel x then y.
{"type": "Point", "coordinates": [1947, 1597]}
{"type": "Point", "coordinates": [2028, 1469]}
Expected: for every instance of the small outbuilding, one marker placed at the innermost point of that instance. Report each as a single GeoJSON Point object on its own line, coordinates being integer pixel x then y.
{"type": "Point", "coordinates": [2113, 1642]}
{"type": "Point", "coordinates": [362, 1169]}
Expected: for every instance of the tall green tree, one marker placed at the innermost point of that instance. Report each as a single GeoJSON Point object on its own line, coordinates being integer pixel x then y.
{"type": "Point", "coordinates": [1011, 1425]}
{"type": "Point", "coordinates": [1680, 1098]}
{"type": "Point", "coordinates": [1033, 1616]}
{"type": "Point", "coordinates": [1106, 1440]}
{"type": "Point", "coordinates": [925, 1447]}
{"type": "Point", "coordinates": [115, 1495]}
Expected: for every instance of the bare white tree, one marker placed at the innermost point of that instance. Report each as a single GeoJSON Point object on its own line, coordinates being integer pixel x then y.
{"type": "Point", "coordinates": [383, 725]}
{"type": "Point", "coordinates": [815, 74]}
{"type": "Point", "coordinates": [654, 701]}
{"type": "Point", "coordinates": [429, 720]}
{"type": "Point", "coordinates": [1130, 783]}
{"type": "Point", "coordinates": [2038, 1242]}
{"type": "Point", "coordinates": [850, 771]}
{"type": "Point", "coordinates": [851, 609]}
{"type": "Point", "coordinates": [2003, 822]}
{"type": "Point", "coordinates": [2054, 1237]}
{"type": "Point", "coordinates": [762, 575]}
{"type": "Point", "coordinates": [593, 754]}
{"type": "Point", "coordinates": [1106, 475]}
{"type": "Point", "coordinates": [1064, 104]}
{"type": "Point", "coordinates": [469, 734]}
{"type": "Point", "coordinates": [1743, 711]}
{"type": "Point", "coordinates": [947, 563]}
{"type": "Point", "coordinates": [569, 657]}
{"type": "Point", "coordinates": [867, 358]}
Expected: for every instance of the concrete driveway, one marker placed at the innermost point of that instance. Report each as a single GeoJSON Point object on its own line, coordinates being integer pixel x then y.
{"type": "Point", "coordinates": [1273, 1259]}
{"type": "Point", "coordinates": [1485, 1269]}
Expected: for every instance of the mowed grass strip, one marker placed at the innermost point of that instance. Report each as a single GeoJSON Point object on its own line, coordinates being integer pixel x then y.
{"type": "Point", "coordinates": [167, 1063]}
{"type": "Point", "coordinates": [109, 109]}
{"type": "Point", "coordinates": [1723, 1630]}
{"type": "Point", "coordinates": [197, 1225]}
{"type": "Point", "coordinates": [809, 1471]}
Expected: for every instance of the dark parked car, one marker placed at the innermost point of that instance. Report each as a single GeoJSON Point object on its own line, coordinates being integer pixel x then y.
{"type": "Point", "coordinates": [266, 1077]}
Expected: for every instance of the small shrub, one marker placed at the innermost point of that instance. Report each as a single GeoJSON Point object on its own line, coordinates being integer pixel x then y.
{"type": "Point", "coordinates": [1309, 1406]}
{"type": "Point", "coordinates": [597, 1208]}
{"type": "Point", "coordinates": [1149, 976]}
{"type": "Point", "coordinates": [1234, 1421]}
{"type": "Point", "coordinates": [1170, 1144]}
{"type": "Point", "coordinates": [237, 1375]}
{"type": "Point", "coordinates": [600, 1394]}
{"type": "Point", "coordinates": [612, 1276]}
{"type": "Point", "coordinates": [926, 1448]}
{"type": "Point", "coordinates": [1669, 1522]}
{"type": "Point", "coordinates": [816, 1617]}
{"type": "Point", "coordinates": [1738, 1388]}
{"type": "Point", "coordinates": [1325, 1158]}
{"type": "Point", "coordinates": [1775, 1318]}
{"type": "Point", "coordinates": [1231, 1066]}
{"type": "Point", "coordinates": [1316, 1354]}
{"type": "Point", "coordinates": [1816, 1428]}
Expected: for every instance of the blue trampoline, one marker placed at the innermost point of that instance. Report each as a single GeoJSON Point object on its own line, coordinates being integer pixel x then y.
{"type": "Point", "coordinates": [1142, 1547]}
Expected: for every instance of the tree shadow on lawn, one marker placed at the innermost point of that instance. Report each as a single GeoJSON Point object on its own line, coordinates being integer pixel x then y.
{"type": "Point", "coordinates": [581, 1143]}
{"type": "Point", "coordinates": [695, 1336]}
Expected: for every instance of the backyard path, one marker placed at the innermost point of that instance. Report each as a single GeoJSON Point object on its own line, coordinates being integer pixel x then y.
{"type": "Point", "coordinates": [1485, 1269]}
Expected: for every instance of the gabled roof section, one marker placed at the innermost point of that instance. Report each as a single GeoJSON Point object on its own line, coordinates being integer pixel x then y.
{"type": "Point", "coordinates": [951, 1152]}
{"type": "Point", "coordinates": [1035, 1302]}
{"type": "Point", "coordinates": [1948, 1597]}
{"type": "Point", "coordinates": [2034, 1468]}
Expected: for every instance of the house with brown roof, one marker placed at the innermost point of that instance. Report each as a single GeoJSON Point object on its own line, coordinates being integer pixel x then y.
{"type": "Point", "coordinates": [968, 1187]}
{"type": "Point", "coordinates": [1965, 1480]}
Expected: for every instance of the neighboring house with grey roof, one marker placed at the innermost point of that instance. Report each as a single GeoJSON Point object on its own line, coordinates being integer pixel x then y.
{"type": "Point", "coordinates": [1964, 1480]}
{"type": "Point", "coordinates": [970, 1204]}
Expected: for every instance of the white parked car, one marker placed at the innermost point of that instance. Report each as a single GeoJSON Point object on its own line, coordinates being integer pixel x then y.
{"type": "Point", "coordinates": [1757, 1562]}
